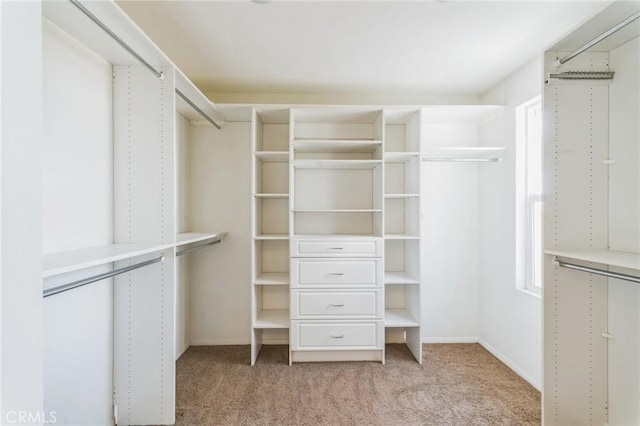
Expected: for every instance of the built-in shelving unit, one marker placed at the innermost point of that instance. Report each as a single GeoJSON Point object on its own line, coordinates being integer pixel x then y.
{"type": "Point", "coordinates": [270, 229]}
{"type": "Point", "coordinates": [402, 230]}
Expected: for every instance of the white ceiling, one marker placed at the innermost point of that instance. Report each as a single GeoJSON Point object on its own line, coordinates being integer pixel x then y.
{"type": "Point", "coordinates": [393, 47]}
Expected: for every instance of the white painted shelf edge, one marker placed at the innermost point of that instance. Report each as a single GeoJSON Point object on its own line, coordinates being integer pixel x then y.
{"type": "Point", "coordinates": [185, 238]}
{"type": "Point", "coordinates": [272, 318]}
{"type": "Point", "coordinates": [74, 260]}
{"type": "Point", "coordinates": [337, 210]}
{"type": "Point", "coordinates": [272, 237]}
{"type": "Point", "coordinates": [271, 195]}
{"type": "Point", "coordinates": [392, 196]}
{"type": "Point", "coordinates": [620, 259]}
{"type": "Point", "coordinates": [336, 164]}
{"type": "Point", "coordinates": [336, 237]}
{"type": "Point", "coordinates": [455, 152]}
{"type": "Point", "coordinates": [400, 237]}
{"type": "Point", "coordinates": [399, 318]}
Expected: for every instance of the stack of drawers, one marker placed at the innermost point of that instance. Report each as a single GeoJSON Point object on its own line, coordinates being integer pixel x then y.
{"type": "Point", "coordinates": [337, 299]}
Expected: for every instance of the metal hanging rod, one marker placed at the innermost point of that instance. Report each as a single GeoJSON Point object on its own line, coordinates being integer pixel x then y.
{"type": "Point", "coordinates": [201, 246]}
{"type": "Point", "coordinates": [117, 39]}
{"type": "Point", "coordinates": [582, 75]}
{"type": "Point", "coordinates": [463, 160]}
{"type": "Point", "coordinates": [195, 107]}
{"type": "Point", "coordinates": [598, 39]}
{"type": "Point", "coordinates": [85, 281]}
{"type": "Point", "coordinates": [597, 271]}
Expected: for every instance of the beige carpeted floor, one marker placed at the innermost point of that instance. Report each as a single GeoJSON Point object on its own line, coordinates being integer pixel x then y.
{"type": "Point", "coordinates": [458, 384]}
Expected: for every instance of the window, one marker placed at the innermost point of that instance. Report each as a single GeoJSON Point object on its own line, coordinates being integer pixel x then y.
{"type": "Point", "coordinates": [529, 194]}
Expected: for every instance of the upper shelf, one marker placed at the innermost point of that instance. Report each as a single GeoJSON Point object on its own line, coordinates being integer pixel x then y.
{"type": "Point", "coordinates": [336, 145]}
{"type": "Point", "coordinates": [74, 260]}
{"type": "Point", "coordinates": [194, 237]}
{"type": "Point", "coordinates": [273, 156]}
{"type": "Point", "coordinates": [620, 259]}
{"type": "Point", "coordinates": [74, 22]}
{"type": "Point", "coordinates": [463, 153]}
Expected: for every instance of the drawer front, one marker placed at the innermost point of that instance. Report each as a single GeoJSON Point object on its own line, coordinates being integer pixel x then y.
{"type": "Point", "coordinates": [306, 248]}
{"type": "Point", "coordinates": [339, 335]}
{"type": "Point", "coordinates": [366, 304]}
{"type": "Point", "coordinates": [326, 273]}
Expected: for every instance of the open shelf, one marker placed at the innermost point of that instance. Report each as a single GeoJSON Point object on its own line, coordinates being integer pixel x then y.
{"type": "Point", "coordinates": [337, 210]}
{"type": "Point", "coordinates": [185, 238]}
{"type": "Point", "coordinates": [74, 260]}
{"type": "Point", "coordinates": [273, 156]}
{"type": "Point", "coordinates": [272, 278]}
{"type": "Point", "coordinates": [463, 152]}
{"type": "Point", "coordinates": [271, 195]}
{"type": "Point", "coordinates": [400, 237]}
{"type": "Point", "coordinates": [336, 145]}
{"type": "Point", "coordinates": [272, 237]}
{"type": "Point", "coordinates": [399, 278]}
{"type": "Point", "coordinates": [397, 157]}
{"type": "Point", "coordinates": [620, 259]}
{"type": "Point", "coordinates": [400, 196]}
{"type": "Point", "coordinates": [272, 318]}
{"type": "Point", "coordinates": [336, 164]}
{"type": "Point", "coordinates": [399, 318]}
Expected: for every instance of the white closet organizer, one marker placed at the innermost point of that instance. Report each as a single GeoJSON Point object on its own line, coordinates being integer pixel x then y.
{"type": "Point", "coordinates": [591, 291]}
{"type": "Point", "coordinates": [127, 354]}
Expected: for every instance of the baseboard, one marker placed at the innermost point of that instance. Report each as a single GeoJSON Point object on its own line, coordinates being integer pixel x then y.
{"type": "Point", "coordinates": [219, 342]}
{"type": "Point", "coordinates": [449, 339]}
{"type": "Point", "coordinates": [520, 372]}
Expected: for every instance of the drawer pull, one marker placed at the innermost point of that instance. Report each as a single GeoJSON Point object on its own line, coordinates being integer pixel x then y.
{"type": "Point", "coordinates": [336, 274]}
{"type": "Point", "coordinates": [336, 305]}
{"type": "Point", "coordinates": [336, 248]}
{"type": "Point", "coordinates": [337, 336]}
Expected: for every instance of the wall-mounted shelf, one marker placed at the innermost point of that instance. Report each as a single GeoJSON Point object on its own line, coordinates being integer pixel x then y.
{"type": "Point", "coordinates": [336, 145]}
{"type": "Point", "coordinates": [400, 237]}
{"type": "Point", "coordinates": [399, 157]}
{"type": "Point", "coordinates": [620, 259]}
{"type": "Point", "coordinates": [399, 318]}
{"type": "Point", "coordinates": [399, 278]}
{"type": "Point", "coordinates": [273, 156]}
{"type": "Point", "coordinates": [336, 164]}
{"type": "Point", "coordinates": [337, 210]}
{"type": "Point", "coordinates": [272, 318]}
{"type": "Point", "coordinates": [400, 196]}
{"type": "Point", "coordinates": [74, 260]}
{"type": "Point", "coordinates": [185, 238]}
{"type": "Point", "coordinates": [463, 153]}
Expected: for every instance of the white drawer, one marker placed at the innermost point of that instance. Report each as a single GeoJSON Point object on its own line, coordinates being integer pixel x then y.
{"type": "Point", "coordinates": [337, 273]}
{"type": "Point", "coordinates": [310, 335]}
{"type": "Point", "coordinates": [363, 304]}
{"type": "Point", "coordinates": [337, 248]}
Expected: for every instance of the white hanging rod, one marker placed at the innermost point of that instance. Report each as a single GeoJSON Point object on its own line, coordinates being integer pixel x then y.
{"type": "Point", "coordinates": [598, 39]}
{"type": "Point", "coordinates": [463, 160]}
{"type": "Point", "coordinates": [201, 246]}
{"type": "Point", "coordinates": [198, 110]}
{"type": "Point", "coordinates": [597, 271]}
{"type": "Point", "coordinates": [99, 277]}
{"type": "Point", "coordinates": [117, 39]}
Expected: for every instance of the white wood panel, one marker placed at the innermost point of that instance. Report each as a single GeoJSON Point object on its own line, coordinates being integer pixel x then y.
{"type": "Point", "coordinates": [21, 148]}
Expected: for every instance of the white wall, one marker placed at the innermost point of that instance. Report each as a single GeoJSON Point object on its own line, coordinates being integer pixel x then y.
{"type": "Point", "coordinates": [510, 319]}
{"type": "Point", "coordinates": [20, 226]}
{"type": "Point", "coordinates": [77, 189]}
{"type": "Point", "coordinates": [220, 166]}
{"type": "Point", "coordinates": [624, 234]}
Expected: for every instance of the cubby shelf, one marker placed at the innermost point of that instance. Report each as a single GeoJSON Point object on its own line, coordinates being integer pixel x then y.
{"type": "Point", "coordinates": [273, 156]}
{"type": "Point", "coordinates": [399, 318]}
{"type": "Point", "coordinates": [271, 195]}
{"type": "Point", "coordinates": [272, 318]}
{"type": "Point", "coordinates": [401, 156]}
{"type": "Point", "coordinates": [336, 145]}
{"type": "Point", "coordinates": [74, 260]}
{"type": "Point", "coordinates": [272, 237]}
{"type": "Point", "coordinates": [336, 164]}
{"type": "Point", "coordinates": [620, 259]}
{"type": "Point", "coordinates": [399, 278]}
{"type": "Point", "coordinates": [272, 278]}
{"type": "Point", "coordinates": [400, 237]}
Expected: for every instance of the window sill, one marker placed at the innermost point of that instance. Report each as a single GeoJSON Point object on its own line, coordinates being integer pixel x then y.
{"type": "Point", "coordinates": [530, 293]}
